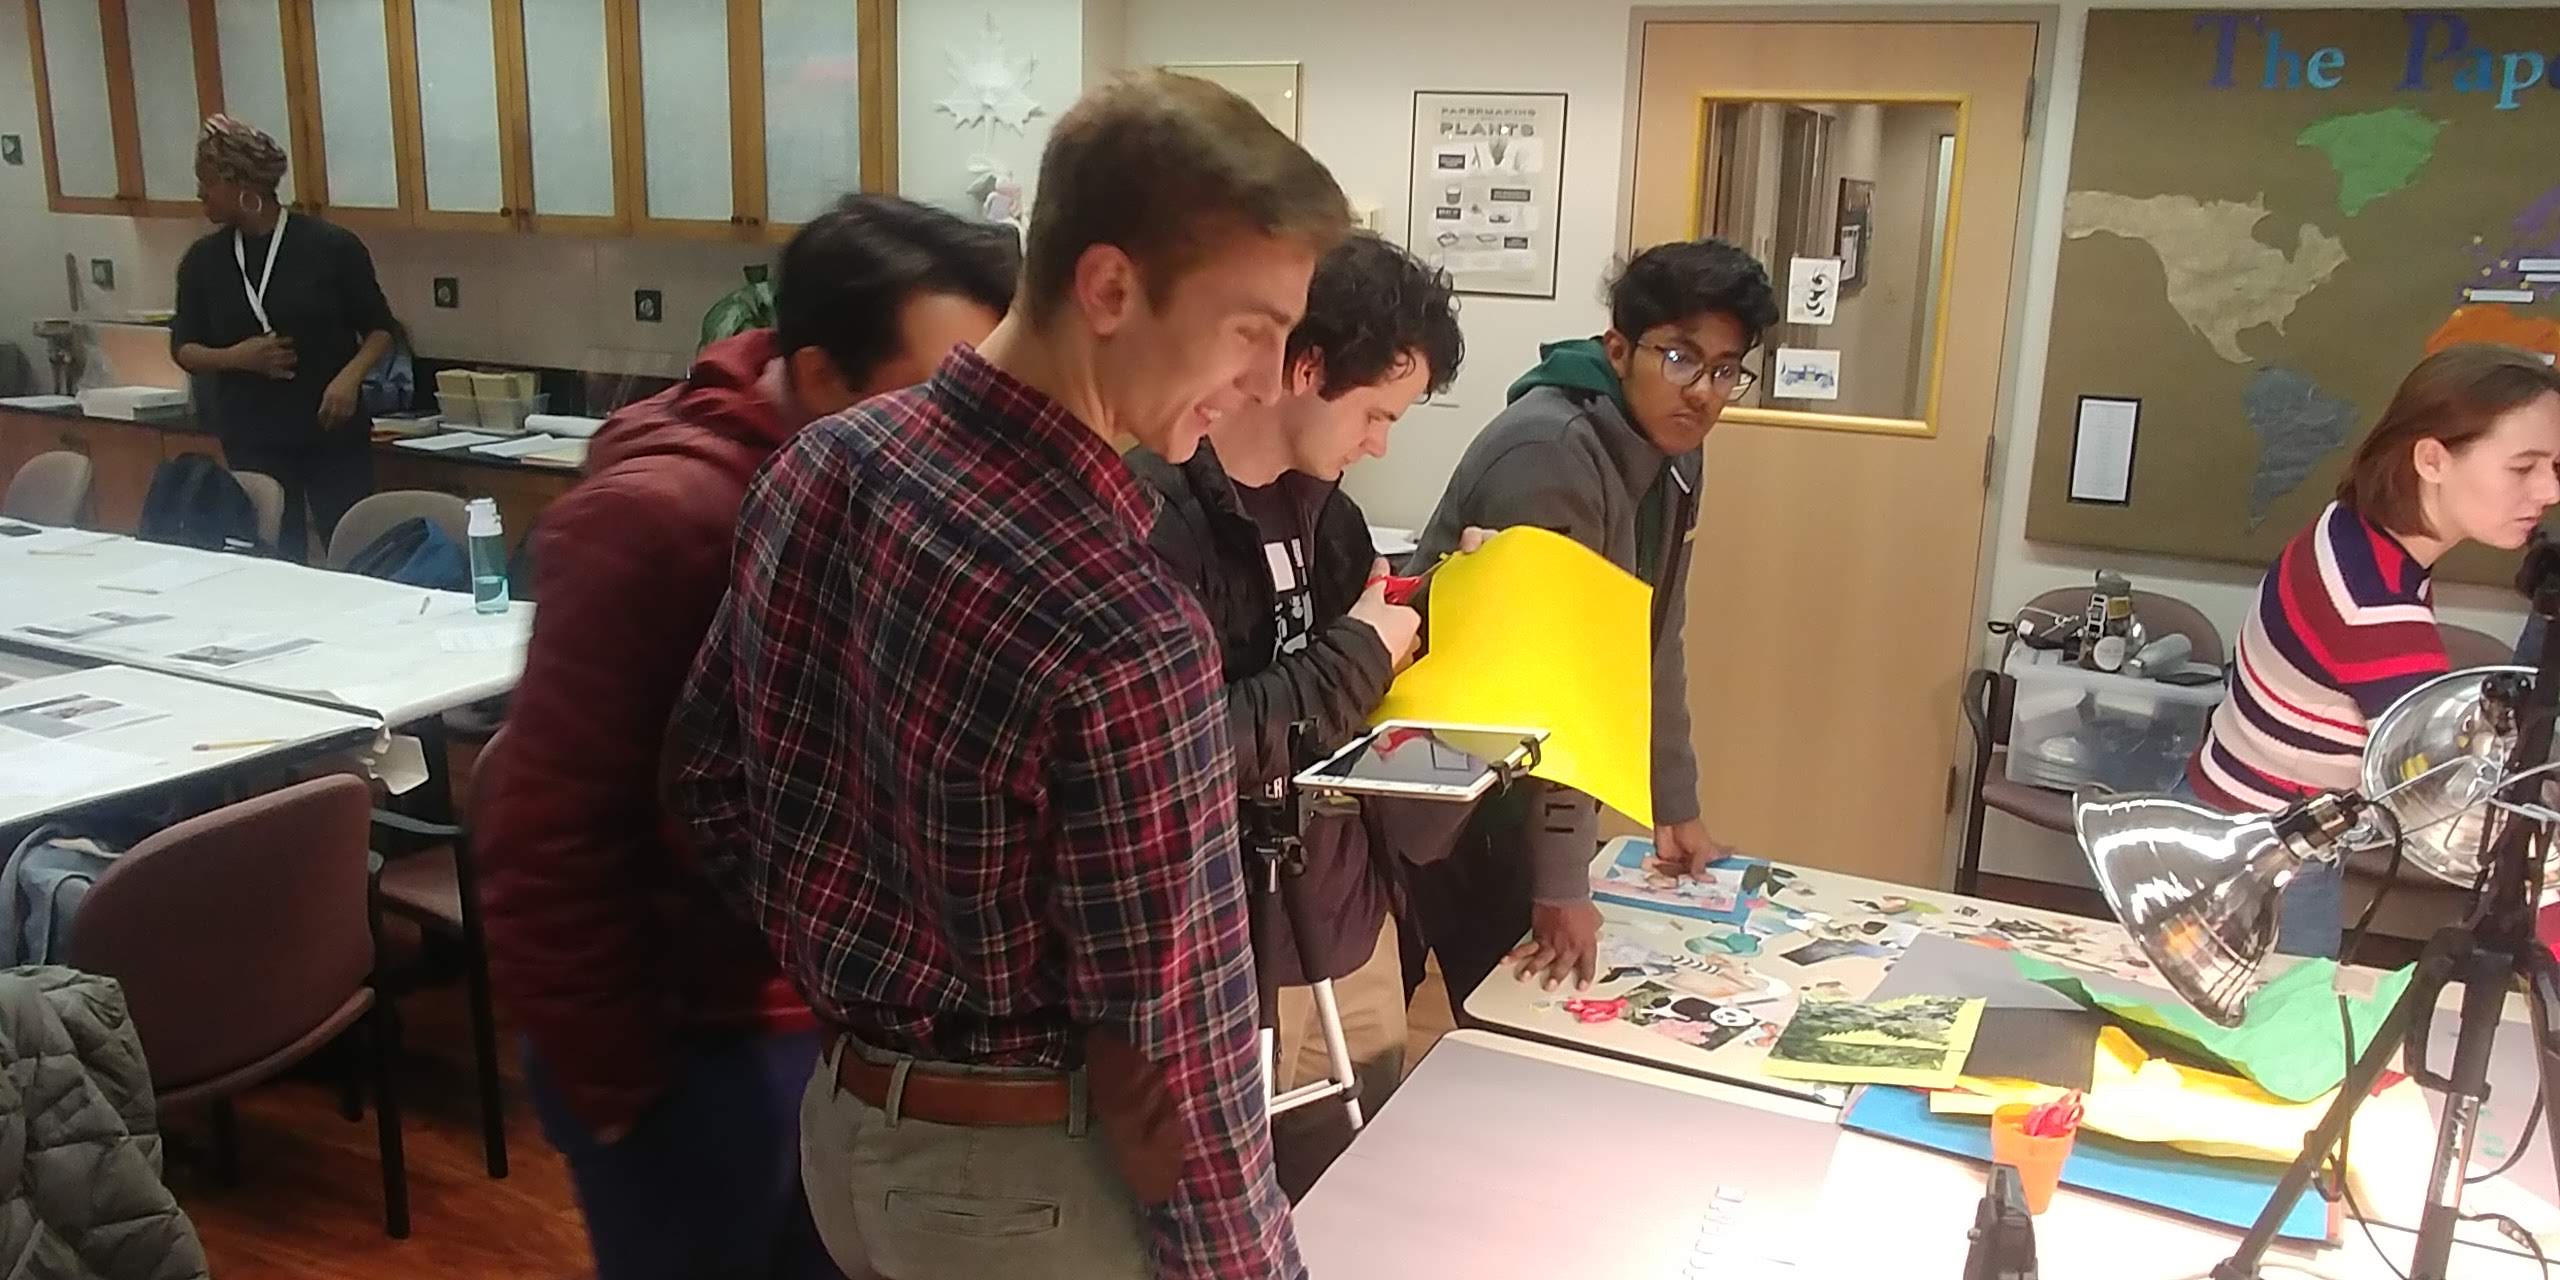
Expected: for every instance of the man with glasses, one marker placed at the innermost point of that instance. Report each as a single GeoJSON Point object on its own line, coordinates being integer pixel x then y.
{"type": "Point", "coordinates": [1601, 442]}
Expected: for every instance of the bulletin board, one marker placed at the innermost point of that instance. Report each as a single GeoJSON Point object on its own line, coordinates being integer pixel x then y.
{"type": "Point", "coordinates": [2271, 217]}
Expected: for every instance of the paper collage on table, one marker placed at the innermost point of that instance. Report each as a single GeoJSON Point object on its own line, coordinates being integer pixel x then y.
{"type": "Point", "coordinates": [1720, 963]}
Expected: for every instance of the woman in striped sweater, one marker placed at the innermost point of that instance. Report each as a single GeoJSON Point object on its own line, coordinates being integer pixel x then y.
{"type": "Point", "coordinates": [2345, 619]}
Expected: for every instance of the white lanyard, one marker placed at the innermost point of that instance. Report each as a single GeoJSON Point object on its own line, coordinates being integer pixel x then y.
{"type": "Point", "coordinates": [258, 291]}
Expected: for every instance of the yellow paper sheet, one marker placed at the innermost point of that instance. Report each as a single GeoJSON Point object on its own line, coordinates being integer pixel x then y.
{"type": "Point", "coordinates": [1534, 630]}
{"type": "Point", "coordinates": [2139, 1098]}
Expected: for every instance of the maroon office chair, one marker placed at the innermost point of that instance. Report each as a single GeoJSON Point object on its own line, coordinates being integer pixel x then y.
{"type": "Point", "coordinates": [245, 942]}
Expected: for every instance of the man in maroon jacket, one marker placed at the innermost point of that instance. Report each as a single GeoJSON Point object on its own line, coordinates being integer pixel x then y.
{"type": "Point", "coordinates": [664, 1050]}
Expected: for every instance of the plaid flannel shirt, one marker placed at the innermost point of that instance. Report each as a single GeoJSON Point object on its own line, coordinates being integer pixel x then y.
{"type": "Point", "coordinates": [956, 742]}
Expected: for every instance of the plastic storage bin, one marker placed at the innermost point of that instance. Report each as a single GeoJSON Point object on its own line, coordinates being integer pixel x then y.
{"type": "Point", "coordinates": [2072, 728]}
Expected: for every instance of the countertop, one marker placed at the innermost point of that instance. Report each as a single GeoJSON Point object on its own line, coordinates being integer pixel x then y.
{"type": "Point", "coordinates": [186, 424]}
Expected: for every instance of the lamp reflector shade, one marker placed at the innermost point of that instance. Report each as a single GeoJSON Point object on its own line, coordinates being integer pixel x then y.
{"type": "Point", "coordinates": [2447, 755]}
{"type": "Point", "coordinates": [2198, 890]}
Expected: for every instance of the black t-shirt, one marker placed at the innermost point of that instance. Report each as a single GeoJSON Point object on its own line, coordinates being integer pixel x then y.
{"type": "Point", "coordinates": [1285, 511]}
{"type": "Point", "coordinates": [1343, 883]}
{"type": "Point", "coordinates": [322, 295]}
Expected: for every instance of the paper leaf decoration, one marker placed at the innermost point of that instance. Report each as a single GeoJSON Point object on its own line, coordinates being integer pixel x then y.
{"type": "Point", "coordinates": [989, 85]}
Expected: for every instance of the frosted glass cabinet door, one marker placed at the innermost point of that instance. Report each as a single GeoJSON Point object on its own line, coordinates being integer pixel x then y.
{"type": "Point", "coordinates": [569, 97]}
{"type": "Point", "coordinates": [250, 37]}
{"type": "Point", "coordinates": [75, 77]}
{"type": "Point", "coordinates": [812, 106]}
{"type": "Point", "coordinates": [684, 110]}
{"type": "Point", "coordinates": [164, 100]}
{"type": "Point", "coordinates": [457, 47]}
{"type": "Point", "coordinates": [352, 41]}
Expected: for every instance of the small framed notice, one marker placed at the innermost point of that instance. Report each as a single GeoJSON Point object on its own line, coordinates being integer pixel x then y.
{"type": "Point", "coordinates": [2102, 439]}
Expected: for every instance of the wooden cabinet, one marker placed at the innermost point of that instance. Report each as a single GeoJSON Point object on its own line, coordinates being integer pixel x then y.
{"type": "Point", "coordinates": [117, 102]}
{"type": "Point", "coordinates": [121, 457]}
{"type": "Point", "coordinates": [351, 79]}
{"type": "Point", "coordinates": [461, 147]}
{"type": "Point", "coordinates": [723, 119]}
{"type": "Point", "coordinates": [168, 107]}
{"type": "Point", "coordinates": [124, 456]}
{"type": "Point", "coordinates": [566, 145]}
{"type": "Point", "coordinates": [251, 81]}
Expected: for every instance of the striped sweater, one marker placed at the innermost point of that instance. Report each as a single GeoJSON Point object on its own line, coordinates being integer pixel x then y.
{"type": "Point", "coordinates": [2344, 624]}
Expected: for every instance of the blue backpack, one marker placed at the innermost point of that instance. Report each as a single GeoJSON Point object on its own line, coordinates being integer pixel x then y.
{"type": "Point", "coordinates": [415, 553]}
{"type": "Point", "coordinates": [41, 887]}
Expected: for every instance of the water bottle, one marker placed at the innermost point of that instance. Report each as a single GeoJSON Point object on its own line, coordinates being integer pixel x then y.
{"type": "Point", "coordinates": [488, 557]}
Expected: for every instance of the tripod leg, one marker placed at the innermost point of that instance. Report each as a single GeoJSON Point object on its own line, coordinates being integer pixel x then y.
{"type": "Point", "coordinates": [1338, 1051]}
{"type": "Point", "coordinates": [2542, 998]}
{"type": "Point", "coordinates": [2486, 978]}
{"type": "Point", "coordinates": [1297, 911]}
{"type": "Point", "coordinates": [2433, 968]}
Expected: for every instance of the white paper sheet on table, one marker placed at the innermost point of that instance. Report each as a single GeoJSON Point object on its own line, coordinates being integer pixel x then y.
{"type": "Point", "coordinates": [66, 715]}
{"type": "Point", "coordinates": [235, 651]}
{"type": "Point", "coordinates": [53, 542]}
{"type": "Point", "coordinates": [91, 625]}
{"type": "Point", "coordinates": [481, 639]}
{"type": "Point", "coordinates": [162, 576]}
{"type": "Point", "coordinates": [518, 447]}
{"type": "Point", "coordinates": [442, 443]}
{"type": "Point", "coordinates": [66, 768]}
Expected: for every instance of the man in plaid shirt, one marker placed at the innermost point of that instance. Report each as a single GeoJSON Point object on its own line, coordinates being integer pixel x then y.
{"type": "Point", "coordinates": [956, 739]}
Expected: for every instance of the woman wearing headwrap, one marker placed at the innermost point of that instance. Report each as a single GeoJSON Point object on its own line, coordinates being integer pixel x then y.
{"type": "Point", "coordinates": [282, 313]}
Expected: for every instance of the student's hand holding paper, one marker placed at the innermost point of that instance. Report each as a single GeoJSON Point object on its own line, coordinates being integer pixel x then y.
{"type": "Point", "coordinates": [1399, 628]}
{"type": "Point", "coordinates": [1471, 539]}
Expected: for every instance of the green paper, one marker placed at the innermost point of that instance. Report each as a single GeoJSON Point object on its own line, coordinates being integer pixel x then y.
{"type": "Point", "coordinates": [2288, 1044]}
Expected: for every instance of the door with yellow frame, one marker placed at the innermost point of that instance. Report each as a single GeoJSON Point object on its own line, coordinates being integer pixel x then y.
{"type": "Point", "coordinates": [1876, 168]}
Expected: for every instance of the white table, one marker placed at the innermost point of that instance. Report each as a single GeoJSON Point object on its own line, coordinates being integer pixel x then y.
{"type": "Point", "coordinates": [1442, 1184]}
{"type": "Point", "coordinates": [1814, 906]}
{"type": "Point", "coordinates": [195, 729]}
{"type": "Point", "coordinates": [392, 650]}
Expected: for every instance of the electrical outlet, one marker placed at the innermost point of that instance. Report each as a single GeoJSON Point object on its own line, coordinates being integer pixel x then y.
{"type": "Point", "coordinates": [13, 149]}
{"type": "Point", "coordinates": [647, 306]}
{"type": "Point", "coordinates": [102, 272]}
{"type": "Point", "coordinates": [448, 292]}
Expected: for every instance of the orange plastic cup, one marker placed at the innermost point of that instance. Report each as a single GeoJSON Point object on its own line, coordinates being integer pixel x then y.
{"type": "Point", "coordinates": [2037, 1160]}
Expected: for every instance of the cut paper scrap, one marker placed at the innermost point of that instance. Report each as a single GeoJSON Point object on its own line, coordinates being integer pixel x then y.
{"type": "Point", "coordinates": [2288, 1044]}
{"type": "Point", "coordinates": [2139, 1098]}
{"type": "Point", "coordinates": [1916, 1040]}
{"type": "Point", "coordinates": [2497, 322]}
{"type": "Point", "coordinates": [1537, 631]}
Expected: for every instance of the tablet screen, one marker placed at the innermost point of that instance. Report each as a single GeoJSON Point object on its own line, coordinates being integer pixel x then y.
{"type": "Point", "coordinates": [1423, 757]}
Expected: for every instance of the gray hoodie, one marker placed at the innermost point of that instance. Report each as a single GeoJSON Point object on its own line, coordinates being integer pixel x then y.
{"type": "Point", "coordinates": [1565, 456]}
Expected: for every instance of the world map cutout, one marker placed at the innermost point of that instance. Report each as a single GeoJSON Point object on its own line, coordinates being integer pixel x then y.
{"type": "Point", "coordinates": [2222, 280]}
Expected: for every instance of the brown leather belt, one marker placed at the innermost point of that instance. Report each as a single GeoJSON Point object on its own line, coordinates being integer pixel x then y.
{"type": "Point", "coordinates": [940, 1097]}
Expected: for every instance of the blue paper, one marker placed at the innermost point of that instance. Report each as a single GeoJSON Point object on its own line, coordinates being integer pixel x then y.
{"type": "Point", "coordinates": [1724, 892]}
{"type": "Point", "coordinates": [2228, 1192]}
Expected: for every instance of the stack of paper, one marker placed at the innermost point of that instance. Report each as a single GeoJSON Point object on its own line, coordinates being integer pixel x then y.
{"type": "Point", "coordinates": [444, 443]}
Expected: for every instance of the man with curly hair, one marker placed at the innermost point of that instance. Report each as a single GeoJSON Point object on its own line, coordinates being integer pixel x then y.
{"type": "Point", "coordinates": [1602, 442]}
{"type": "Point", "coordinates": [1257, 525]}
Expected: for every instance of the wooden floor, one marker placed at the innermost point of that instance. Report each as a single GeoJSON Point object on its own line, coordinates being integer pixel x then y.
{"type": "Point", "coordinates": [309, 1202]}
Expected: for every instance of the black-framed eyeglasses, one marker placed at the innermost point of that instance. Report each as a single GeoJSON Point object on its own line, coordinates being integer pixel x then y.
{"type": "Point", "coordinates": [1682, 368]}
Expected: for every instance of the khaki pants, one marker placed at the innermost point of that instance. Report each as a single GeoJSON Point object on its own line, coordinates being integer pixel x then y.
{"type": "Point", "coordinates": [929, 1201]}
{"type": "Point", "coordinates": [1371, 1002]}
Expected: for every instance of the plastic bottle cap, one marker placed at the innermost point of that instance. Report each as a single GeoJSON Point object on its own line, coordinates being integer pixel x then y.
{"type": "Point", "coordinates": [484, 518]}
